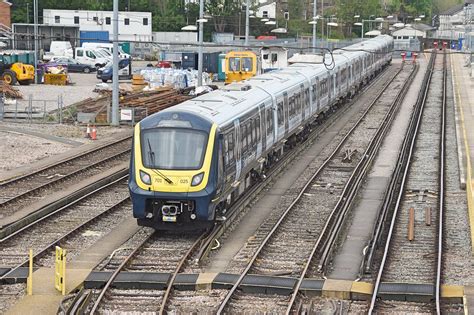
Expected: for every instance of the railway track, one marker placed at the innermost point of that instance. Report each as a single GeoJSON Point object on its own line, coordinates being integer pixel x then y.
{"type": "Point", "coordinates": [25, 190]}
{"type": "Point", "coordinates": [142, 258]}
{"type": "Point", "coordinates": [114, 299]}
{"type": "Point", "coordinates": [306, 227]}
{"type": "Point", "coordinates": [98, 212]}
{"type": "Point", "coordinates": [413, 251]}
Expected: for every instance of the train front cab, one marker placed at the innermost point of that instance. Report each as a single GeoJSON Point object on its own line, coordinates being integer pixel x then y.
{"type": "Point", "coordinates": [240, 65]}
{"type": "Point", "coordinates": [175, 197]}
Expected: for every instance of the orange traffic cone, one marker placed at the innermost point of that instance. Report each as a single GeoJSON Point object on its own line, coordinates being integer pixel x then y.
{"type": "Point", "coordinates": [88, 131]}
{"type": "Point", "coordinates": [94, 133]}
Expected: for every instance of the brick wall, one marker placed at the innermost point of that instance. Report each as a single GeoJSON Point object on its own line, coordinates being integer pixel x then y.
{"type": "Point", "coordinates": [5, 17]}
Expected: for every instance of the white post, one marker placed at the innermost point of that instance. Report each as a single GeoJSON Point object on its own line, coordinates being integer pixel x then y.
{"type": "Point", "coordinates": [362, 34]}
{"type": "Point", "coordinates": [247, 22]}
{"type": "Point", "coordinates": [315, 13]}
{"type": "Point", "coordinates": [201, 39]}
{"type": "Point", "coordinates": [115, 68]}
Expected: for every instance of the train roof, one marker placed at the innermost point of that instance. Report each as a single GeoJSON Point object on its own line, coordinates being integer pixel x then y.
{"type": "Point", "coordinates": [224, 105]}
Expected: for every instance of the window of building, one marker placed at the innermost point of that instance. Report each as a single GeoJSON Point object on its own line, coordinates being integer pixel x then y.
{"type": "Point", "coordinates": [107, 20]}
{"type": "Point", "coordinates": [94, 18]}
{"type": "Point", "coordinates": [127, 21]}
{"type": "Point", "coordinates": [57, 19]}
{"type": "Point", "coordinates": [76, 20]}
{"type": "Point", "coordinates": [145, 21]}
{"type": "Point", "coordinates": [265, 14]}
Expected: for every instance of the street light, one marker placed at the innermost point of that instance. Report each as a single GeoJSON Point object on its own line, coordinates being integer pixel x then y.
{"type": "Point", "coordinates": [331, 24]}
{"type": "Point", "coordinates": [270, 23]}
{"type": "Point", "coordinates": [264, 20]}
{"type": "Point", "coordinates": [315, 24]}
{"type": "Point", "coordinates": [201, 21]}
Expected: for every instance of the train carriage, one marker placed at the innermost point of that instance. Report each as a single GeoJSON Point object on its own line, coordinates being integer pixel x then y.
{"type": "Point", "coordinates": [192, 161]}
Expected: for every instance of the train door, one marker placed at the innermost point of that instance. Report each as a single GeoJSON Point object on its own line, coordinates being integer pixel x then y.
{"type": "Point", "coordinates": [316, 97]}
{"type": "Point", "coordinates": [238, 148]}
{"type": "Point", "coordinates": [279, 118]}
{"type": "Point", "coordinates": [262, 126]}
{"type": "Point", "coordinates": [270, 134]}
{"type": "Point", "coordinates": [304, 101]}
{"type": "Point", "coordinates": [286, 113]}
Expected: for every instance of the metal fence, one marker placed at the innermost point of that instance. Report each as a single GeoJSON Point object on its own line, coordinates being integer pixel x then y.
{"type": "Point", "coordinates": [37, 110]}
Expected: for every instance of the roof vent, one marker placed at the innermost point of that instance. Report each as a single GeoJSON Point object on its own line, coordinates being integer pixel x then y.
{"type": "Point", "coordinates": [237, 87]}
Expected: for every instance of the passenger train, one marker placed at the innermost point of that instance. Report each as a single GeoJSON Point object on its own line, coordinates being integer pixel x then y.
{"type": "Point", "coordinates": [190, 162]}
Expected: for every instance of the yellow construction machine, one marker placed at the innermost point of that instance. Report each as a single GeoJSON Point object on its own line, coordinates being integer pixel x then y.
{"type": "Point", "coordinates": [17, 72]}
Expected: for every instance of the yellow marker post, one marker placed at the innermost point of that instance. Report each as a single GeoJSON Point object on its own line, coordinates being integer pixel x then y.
{"type": "Point", "coordinates": [29, 280]}
{"type": "Point", "coordinates": [60, 270]}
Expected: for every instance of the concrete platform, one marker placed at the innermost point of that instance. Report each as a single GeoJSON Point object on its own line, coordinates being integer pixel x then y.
{"type": "Point", "coordinates": [464, 105]}
{"type": "Point", "coordinates": [45, 299]}
{"type": "Point", "coordinates": [347, 262]}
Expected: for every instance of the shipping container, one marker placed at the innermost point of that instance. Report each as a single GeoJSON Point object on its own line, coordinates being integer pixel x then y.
{"type": "Point", "coordinates": [189, 61]}
{"type": "Point", "coordinates": [210, 63]}
{"type": "Point", "coordinates": [94, 37]}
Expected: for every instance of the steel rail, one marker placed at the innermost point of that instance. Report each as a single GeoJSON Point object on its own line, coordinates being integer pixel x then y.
{"type": "Point", "coordinates": [416, 119]}
{"type": "Point", "coordinates": [63, 178]}
{"type": "Point", "coordinates": [297, 198]}
{"type": "Point", "coordinates": [67, 160]}
{"type": "Point", "coordinates": [441, 188]}
{"type": "Point", "coordinates": [176, 271]}
{"type": "Point", "coordinates": [336, 217]}
{"type": "Point", "coordinates": [68, 233]}
{"type": "Point", "coordinates": [117, 271]}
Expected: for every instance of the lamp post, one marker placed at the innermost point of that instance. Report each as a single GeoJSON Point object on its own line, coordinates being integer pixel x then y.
{"type": "Point", "coordinates": [314, 22]}
{"type": "Point", "coordinates": [247, 22]}
{"type": "Point", "coordinates": [315, 15]}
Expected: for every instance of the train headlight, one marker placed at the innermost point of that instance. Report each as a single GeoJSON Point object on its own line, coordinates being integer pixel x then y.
{"type": "Point", "coordinates": [145, 177]}
{"type": "Point", "coordinates": [197, 179]}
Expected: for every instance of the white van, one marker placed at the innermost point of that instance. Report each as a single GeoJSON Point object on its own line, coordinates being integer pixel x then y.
{"type": "Point", "coordinates": [90, 57]}
{"type": "Point", "coordinates": [59, 48]}
{"type": "Point", "coordinates": [107, 46]}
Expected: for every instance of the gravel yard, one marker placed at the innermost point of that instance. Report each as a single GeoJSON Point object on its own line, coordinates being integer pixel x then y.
{"type": "Point", "coordinates": [81, 89]}
{"type": "Point", "coordinates": [19, 147]}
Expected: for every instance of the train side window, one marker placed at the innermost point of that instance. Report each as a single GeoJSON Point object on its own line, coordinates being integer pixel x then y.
{"type": "Point", "coordinates": [280, 113]}
{"type": "Point", "coordinates": [306, 94]}
{"type": "Point", "coordinates": [314, 92]}
{"type": "Point", "coordinates": [229, 147]}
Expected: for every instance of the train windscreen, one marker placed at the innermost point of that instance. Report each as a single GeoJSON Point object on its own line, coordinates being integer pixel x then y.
{"type": "Point", "coordinates": [173, 148]}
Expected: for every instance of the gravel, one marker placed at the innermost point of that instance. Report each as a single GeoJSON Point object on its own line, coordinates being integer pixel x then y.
{"type": "Point", "coordinates": [18, 149]}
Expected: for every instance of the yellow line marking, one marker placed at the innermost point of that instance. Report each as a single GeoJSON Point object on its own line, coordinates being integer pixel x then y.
{"type": "Point", "coordinates": [469, 188]}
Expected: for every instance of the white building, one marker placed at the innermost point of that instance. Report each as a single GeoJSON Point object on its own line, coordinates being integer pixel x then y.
{"type": "Point", "coordinates": [266, 9]}
{"type": "Point", "coordinates": [133, 26]}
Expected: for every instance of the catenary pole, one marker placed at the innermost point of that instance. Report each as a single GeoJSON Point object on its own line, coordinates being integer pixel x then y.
{"type": "Point", "coordinates": [247, 22]}
{"type": "Point", "coordinates": [35, 20]}
{"type": "Point", "coordinates": [115, 68]}
{"type": "Point", "coordinates": [201, 39]}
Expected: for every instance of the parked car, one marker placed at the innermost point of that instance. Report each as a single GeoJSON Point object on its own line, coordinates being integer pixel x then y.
{"type": "Point", "coordinates": [125, 71]}
{"type": "Point", "coordinates": [73, 65]}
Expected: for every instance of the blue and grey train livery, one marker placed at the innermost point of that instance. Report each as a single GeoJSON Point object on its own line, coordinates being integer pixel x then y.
{"type": "Point", "coordinates": [192, 161]}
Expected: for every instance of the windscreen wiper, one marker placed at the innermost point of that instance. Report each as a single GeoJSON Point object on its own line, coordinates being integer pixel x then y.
{"type": "Point", "coordinates": [152, 158]}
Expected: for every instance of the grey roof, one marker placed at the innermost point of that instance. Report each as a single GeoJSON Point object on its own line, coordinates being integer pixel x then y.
{"type": "Point", "coordinates": [453, 10]}
{"type": "Point", "coordinates": [423, 27]}
{"type": "Point", "coordinates": [222, 106]}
